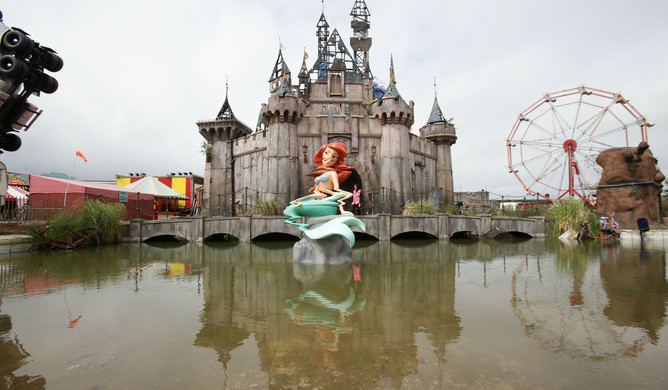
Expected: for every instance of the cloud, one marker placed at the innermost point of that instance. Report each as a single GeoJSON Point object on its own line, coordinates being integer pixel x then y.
{"type": "Point", "coordinates": [139, 75]}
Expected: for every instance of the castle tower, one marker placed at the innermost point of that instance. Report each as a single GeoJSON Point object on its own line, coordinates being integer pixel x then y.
{"type": "Point", "coordinates": [281, 114]}
{"type": "Point", "coordinates": [442, 133]}
{"type": "Point", "coordinates": [396, 119]}
{"type": "Point", "coordinates": [219, 133]}
{"type": "Point", "coordinates": [360, 41]}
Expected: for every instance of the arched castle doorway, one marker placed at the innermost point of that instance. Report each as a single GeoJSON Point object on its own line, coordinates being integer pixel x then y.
{"type": "Point", "coordinates": [349, 185]}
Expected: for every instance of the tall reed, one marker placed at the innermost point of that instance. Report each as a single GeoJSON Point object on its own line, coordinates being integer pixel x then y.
{"type": "Point", "coordinates": [92, 223]}
{"type": "Point", "coordinates": [569, 214]}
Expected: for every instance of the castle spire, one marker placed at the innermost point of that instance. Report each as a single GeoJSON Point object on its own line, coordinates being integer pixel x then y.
{"type": "Point", "coordinates": [303, 72]}
{"type": "Point", "coordinates": [280, 73]}
{"type": "Point", "coordinates": [392, 91]}
{"type": "Point", "coordinates": [226, 110]}
{"type": "Point", "coordinates": [322, 33]}
{"type": "Point", "coordinates": [436, 114]}
{"type": "Point", "coordinates": [392, 79]}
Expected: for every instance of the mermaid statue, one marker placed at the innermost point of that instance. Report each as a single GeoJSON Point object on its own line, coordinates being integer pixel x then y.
{"type": "Point", "coordinates": [319, 209]}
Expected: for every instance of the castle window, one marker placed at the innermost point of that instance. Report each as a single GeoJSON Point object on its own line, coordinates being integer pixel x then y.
{"type": "Point", "coordinates": [335, 83]}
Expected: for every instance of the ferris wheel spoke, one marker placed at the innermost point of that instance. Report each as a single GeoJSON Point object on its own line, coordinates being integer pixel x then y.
{"type": "Point", "coordinates": [586, 126]}
{"type": "Point", "coordinates": [600, 116]}
{"type": "Point", "coordinates": [594, 148]}
{"type": "Point", "coordinates": [624, 127]}
{"type": "Point", "coordinates": [550, 169]}
{"type": "Point", "coordinates": [532, 159]}
{"type": "Point", "coordinates": [541, 128]}
{"type": "Point", "coordinates": [533, 123]}
{"type": "Point", "coordinates": [546, 155]}
{"type": "Point", "coordinates": [586, 168]}
{"type": "Point", "coordinates": [577, 116]}
{"type": "Point", "coordinates": [561, 121]}
{"type": "Point", "coordinates": [541, 147]}
{"type": "Point", "coordinates": [580, 175]}
{"type": "Point", "coordinates": [586, 156]}
{"type": "Point", "coordinates": [561, 180]}
{"type": "Point", "coordinates": [542, 142]}
{"type": "Point", "coordinates": [603, 147]}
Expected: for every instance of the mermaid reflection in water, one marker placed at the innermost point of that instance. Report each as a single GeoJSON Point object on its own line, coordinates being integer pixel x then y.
{"type": "Point", "coordinates": [326, 195]}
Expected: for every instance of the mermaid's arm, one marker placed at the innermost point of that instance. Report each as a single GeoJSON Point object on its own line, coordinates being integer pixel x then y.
{"type": "Point", "coordinates": [341, 201]}
{"type": "Point", "coordinates": [316, 194]}
{"type": "Point", "coordinates": [347, 195]}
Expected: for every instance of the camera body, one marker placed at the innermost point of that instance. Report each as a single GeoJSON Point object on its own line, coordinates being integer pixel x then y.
{"type": "Point", "coordinates": [23, 67]}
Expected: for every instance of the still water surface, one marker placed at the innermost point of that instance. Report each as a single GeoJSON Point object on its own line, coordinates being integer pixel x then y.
{"type": "Point", "coordinates": [413, 315]}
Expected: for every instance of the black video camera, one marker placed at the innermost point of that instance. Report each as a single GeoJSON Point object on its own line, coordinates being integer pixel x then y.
{"type": "Point", "coordinates": [23, 63]}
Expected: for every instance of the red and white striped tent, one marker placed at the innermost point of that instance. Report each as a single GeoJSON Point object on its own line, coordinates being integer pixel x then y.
{"type": "Point", "coordinates": [17, 194]}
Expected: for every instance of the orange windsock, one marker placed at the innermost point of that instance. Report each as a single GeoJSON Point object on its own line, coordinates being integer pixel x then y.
{"type": "Point", "coordinates": [81, 155]}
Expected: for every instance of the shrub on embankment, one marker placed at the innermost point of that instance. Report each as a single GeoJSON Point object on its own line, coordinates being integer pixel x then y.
{"type": "Point", "coordinates": [570, 214]}
{"type": "Point", "coordinates": [419, 208]}
{"type": "Point", "coordinates": [268, 207]}
{"type": "Point", "coordinates": [94, 223]}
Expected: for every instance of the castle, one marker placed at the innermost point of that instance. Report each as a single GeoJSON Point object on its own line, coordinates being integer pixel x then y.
{"type": "Point", "coordinates": [336, 99]}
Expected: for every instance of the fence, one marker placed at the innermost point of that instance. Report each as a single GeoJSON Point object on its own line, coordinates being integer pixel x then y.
{"type": "Point", "coordinates": [383, 201]}
{"type": "Point", "coordinates": [42, 207]}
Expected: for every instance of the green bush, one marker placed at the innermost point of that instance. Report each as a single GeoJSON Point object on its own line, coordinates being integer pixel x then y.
{"type": "Point", "coordinates": [267, 207]}
{"type": "Point", "coordinates": [449, 209]}
{"type": "Point", "coordinates": [569, 214]}
{"type": "Point", "coordinates": [107, 217]}
{"type": "Point", "coordinates": [419, 207]}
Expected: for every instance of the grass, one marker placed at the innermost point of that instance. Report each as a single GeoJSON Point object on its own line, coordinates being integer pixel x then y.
{"type": "Point", "coordinates": [570, 214]}
{"type": "Point", "coordinates": [268, 207]}
{"type": "Point", "coordinates": [93, 223]}
{"type": "Point", "coordinates": [419, 207]}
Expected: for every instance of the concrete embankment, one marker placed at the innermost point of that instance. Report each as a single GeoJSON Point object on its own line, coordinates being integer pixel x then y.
{"type": "Point", "coordinates": [15, 242]}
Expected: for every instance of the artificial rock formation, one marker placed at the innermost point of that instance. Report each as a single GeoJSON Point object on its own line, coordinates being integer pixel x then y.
{"type": "Point", "coordinates": [630, 185]}
{"type": "Point", "coordinates": [332, 250]}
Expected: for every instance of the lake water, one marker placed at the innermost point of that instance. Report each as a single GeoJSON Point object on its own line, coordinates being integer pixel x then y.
{"type": "Point", "coordinates": [409, 314]}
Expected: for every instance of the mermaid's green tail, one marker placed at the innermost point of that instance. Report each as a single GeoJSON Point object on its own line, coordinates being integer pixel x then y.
{"type": "Point", "coordinates": [312, 207]}
{"type": "Point", "coordinates": [340, 226]}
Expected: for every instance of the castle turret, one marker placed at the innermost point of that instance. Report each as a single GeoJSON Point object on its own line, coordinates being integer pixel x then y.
{"type": "Point", "coordinates": [442, 132]}
{"type": "Point", "coordinates": [219, 134]}
{"type": "Point", "coordinates": [396, 119]}
{"type": "Point", "coordinates": [281, 114]}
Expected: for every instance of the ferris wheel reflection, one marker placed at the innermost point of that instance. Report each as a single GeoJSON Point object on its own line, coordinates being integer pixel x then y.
{"type": "Point", "coordinates": [593, 302]}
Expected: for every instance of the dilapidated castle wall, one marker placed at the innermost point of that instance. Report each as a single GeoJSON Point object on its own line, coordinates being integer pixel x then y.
{"type": "Point", "coordinates": [336, 100]}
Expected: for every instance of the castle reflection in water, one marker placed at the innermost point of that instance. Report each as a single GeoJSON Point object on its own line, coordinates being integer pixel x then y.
{"type": "Point", "coordinates": [368, 324]}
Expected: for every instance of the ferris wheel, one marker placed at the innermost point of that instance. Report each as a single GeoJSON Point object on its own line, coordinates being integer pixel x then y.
{"type": "Point", "coordinates": [554, 143]}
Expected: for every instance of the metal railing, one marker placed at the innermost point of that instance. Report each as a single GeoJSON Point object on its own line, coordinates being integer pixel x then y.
{"type": "Point", "coordinates": [383, 201]}
{"type": "Point", "coordinates": [47, 207]}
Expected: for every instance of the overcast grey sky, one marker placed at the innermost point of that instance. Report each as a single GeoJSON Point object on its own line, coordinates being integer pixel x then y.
{"type": "Point", "coordinates": [139, 74]}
